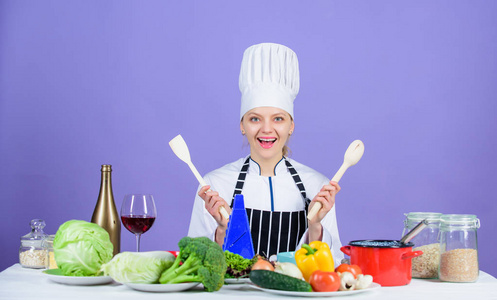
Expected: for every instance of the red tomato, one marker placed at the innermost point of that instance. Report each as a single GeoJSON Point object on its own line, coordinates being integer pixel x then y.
{"type": "Point", "coordinates": [175, 253]}
{"type": "Point", "coordinates": [324, 281]}
{"type": "Point", "coordinates": [354, 269]}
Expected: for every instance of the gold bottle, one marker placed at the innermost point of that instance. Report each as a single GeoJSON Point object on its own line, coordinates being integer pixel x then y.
{"type": "Point", "coordinates": [105, 213]}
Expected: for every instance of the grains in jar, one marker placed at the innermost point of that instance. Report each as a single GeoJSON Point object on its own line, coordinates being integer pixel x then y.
{"type": "Point", "coordinates": [459, 248]}
{"type": "Point", "coordinates": [33, 258]}
{"type": "Point", "coordinates": [426, 265]}
{"type": "Point", "coordinates": [459, 265]}
{"type": "Point", "coordinates": [32, 254]}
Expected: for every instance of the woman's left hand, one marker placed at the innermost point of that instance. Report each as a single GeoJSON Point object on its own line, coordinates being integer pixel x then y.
{"type": "Point", "coordinates": [327, 199]}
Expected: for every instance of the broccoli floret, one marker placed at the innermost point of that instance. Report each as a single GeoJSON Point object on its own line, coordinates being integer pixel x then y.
{"type": "Point", "coordinates": [199, 260]}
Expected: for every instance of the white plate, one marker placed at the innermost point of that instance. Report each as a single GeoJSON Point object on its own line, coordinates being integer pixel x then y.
{"type": "Point", "coordinates": [236, 280]}
{"type": "Point", "coordinates": [161, 288]}
{"type": "Point", "coordinates": [373, 286]}
{"type": "Point", "coordinates": [56, 276]}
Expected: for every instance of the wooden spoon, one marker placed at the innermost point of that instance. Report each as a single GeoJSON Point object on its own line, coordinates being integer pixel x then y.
{"type": "Point", "coordinates": [180, 148]}
{"type": "Point", "coordinates": [352, 156]}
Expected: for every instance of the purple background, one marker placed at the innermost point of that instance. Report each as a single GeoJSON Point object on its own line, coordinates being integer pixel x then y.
{"type": "Point", "coordinates": [85, 83]}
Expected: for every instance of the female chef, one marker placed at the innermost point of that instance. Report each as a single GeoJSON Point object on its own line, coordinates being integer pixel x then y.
{"type": "Point", "coordinates": [276, 189]}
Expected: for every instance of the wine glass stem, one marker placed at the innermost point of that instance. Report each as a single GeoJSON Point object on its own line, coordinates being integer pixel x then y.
{"type": "Point", "coordinates": [138, 242]}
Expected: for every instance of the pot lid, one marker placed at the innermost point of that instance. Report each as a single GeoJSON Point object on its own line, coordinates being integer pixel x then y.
{"type": "Point", "coordinates": [380, 244]}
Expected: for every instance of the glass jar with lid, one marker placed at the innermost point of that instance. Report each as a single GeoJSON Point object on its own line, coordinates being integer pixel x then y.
{"type": "Point", "coordinates": [426, 265]}
{"type": "Point", "coordinates": [458, 248]}
{"type": "Point", "coordinates": [32, 253]}
{"type": "Point", "coordinates": [48, 245]}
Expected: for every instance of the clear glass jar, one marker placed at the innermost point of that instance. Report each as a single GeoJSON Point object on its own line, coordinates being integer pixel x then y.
{"type": "Point", "coordinates": [426, 265]}
{"type": "Point", "coordinates": [48, 245]}
{"type": "Point", "coordinates": [32, 253]}
{"type": "Point", "coordinates": [458, 248]}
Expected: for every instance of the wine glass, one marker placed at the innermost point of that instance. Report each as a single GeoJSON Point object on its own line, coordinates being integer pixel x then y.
{"type": "Point", "coordinates": [138, 214]}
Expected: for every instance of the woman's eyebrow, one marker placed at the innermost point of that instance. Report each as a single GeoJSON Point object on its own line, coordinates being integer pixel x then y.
{"type": "Point", "coordinates": [253, 115]}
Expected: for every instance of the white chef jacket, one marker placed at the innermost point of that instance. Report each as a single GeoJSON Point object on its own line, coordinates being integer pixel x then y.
{"type": "Point", "coordinates": [257, 195]}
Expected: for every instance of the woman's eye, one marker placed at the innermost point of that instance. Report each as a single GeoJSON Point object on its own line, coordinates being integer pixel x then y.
{"type": "Point", "coordinates": [254, 119]}
{"type": "Point", "coordinates": [278, 119]}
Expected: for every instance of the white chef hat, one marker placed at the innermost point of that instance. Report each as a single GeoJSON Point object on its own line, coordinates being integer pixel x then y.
{"type": "Point", "coordinates": [269, 76]}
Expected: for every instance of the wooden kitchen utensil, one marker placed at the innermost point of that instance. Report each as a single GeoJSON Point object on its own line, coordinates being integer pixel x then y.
{"type": "Point", "coordinates": [352, 156]}
{"type": "Point", "coordinates": [179, 147]}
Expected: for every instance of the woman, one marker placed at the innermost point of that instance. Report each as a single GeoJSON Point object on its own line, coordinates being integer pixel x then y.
{"type": "Point", "coordinates": [276, 189]}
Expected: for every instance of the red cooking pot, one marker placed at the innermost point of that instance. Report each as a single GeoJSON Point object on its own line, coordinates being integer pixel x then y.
{"type": "Point", "coordinates": [389, 262]}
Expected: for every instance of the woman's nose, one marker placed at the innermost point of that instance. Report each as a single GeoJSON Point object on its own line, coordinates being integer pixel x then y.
{"type": "Point", "coordinates": [267, 127]}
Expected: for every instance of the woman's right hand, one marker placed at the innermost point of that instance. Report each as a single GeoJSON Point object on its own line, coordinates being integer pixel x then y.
{"type": "Point", "coordinates": [213, 203]}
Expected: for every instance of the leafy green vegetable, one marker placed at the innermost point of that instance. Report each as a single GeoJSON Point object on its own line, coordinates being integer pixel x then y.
{"type": "Point", "coordinates": [237, 265]}
{"type": "Point", "coordinates": [80, 248]}
{"type": "Point", "coordinates": [202, 261]}
{"type": "Point", "coordinates": [138, 267]}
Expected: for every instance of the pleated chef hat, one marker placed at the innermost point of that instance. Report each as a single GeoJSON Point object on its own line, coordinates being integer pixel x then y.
{"type": "Point", "coordinates": [269, 76]}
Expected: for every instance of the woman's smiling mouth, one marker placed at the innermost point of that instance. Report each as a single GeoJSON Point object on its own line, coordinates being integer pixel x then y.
{"type": "Point", "coordinates": [266, 142]}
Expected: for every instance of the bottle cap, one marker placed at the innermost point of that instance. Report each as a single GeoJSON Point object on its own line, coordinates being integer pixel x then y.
{"type": "Point", "coordinates": [106, 168]}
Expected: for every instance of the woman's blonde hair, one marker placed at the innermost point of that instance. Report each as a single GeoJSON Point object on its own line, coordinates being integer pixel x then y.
{"type": "Point", "coordinates": [286, 151]}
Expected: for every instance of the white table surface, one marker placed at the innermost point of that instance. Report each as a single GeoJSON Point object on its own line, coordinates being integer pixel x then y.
{"type": "Point", "coordinates": [21, 283]}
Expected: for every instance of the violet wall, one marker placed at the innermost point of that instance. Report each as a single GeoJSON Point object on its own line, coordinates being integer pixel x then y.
{"type": "Point", "coordinates": [85, 83]}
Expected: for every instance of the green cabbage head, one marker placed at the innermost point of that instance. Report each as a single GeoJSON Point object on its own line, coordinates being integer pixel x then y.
{"type": "Point", "coordinates": [80, 248]}
{"type": "Point", "coordinates": [138, 267]}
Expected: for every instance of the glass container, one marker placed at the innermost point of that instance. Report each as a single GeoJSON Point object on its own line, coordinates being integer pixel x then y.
{"type": "Point", "coordinates": [458, 248]}
{"type": "Point", "coordinates": [426, 265]}
{"type": "Point", "coordinates": [32, 253]}
{"type": "Point", "coordinates": [48, 246]}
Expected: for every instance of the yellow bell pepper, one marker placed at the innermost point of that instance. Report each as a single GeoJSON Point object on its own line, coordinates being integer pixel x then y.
{"type": "Point", "coordinates": [315, 256]}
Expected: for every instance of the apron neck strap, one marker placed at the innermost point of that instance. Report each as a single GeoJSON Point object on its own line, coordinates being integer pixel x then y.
{"type": "Point", "coordinates": [243, 174]}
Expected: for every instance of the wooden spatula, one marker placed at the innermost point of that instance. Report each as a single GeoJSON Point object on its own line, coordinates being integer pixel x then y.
{"type": "Point", "coordinates": [180, 148]}
{"type": "Point", "coordinates": [352, 156]}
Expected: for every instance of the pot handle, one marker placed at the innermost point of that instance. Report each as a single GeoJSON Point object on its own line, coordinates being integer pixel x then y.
{"type": "Point", "coordinates": [410, 255]}
{"type": "Point", "coordinates": [346, 249]}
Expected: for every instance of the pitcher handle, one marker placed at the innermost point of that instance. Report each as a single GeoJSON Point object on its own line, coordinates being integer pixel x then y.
{"type": "Point", "coordinates": [409, 255]}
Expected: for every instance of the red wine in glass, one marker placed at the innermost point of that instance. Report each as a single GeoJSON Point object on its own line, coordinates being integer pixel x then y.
{"type": "Point", "coordinates": [138, 214]}
{"type": "Point", "coordinates": [137, 224]}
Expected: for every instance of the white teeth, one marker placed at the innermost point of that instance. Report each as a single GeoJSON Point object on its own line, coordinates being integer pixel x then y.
{"type": "Point", "coordinates": [267, 140]}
